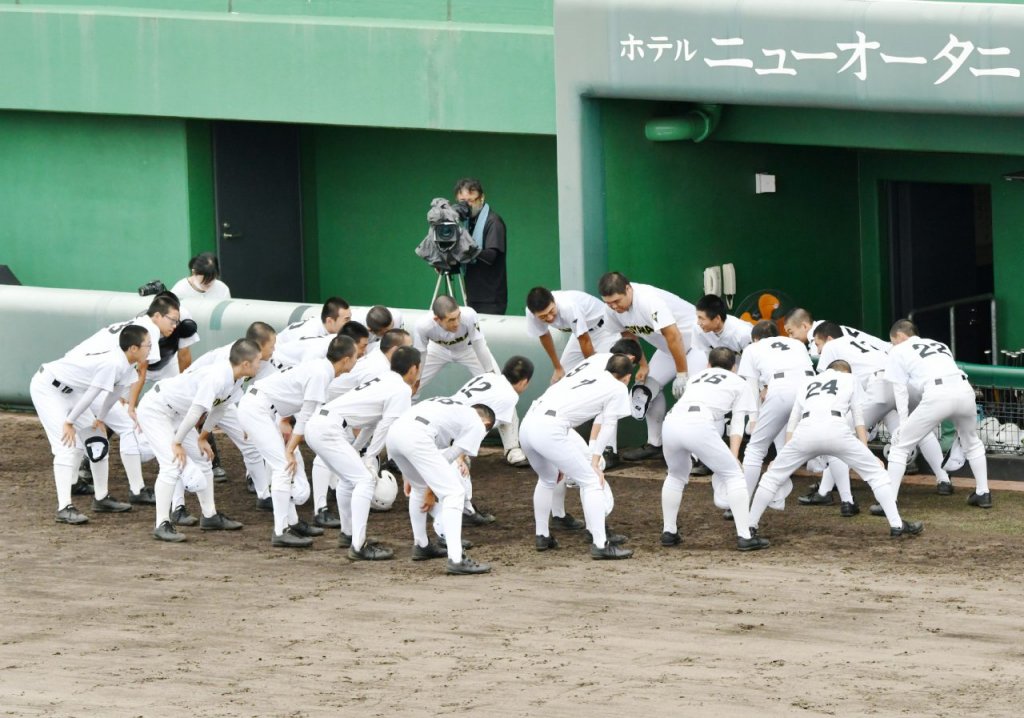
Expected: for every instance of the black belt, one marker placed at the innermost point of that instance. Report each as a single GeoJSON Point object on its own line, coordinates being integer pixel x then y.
{"type": "Point", "coordinates": [422, 421]}
{"type": "Point", "coordinates": [64, 388]}
{"type": "Point", "coordinates": [938, 382]}
{"type": "Point", "coordinates": [782, 374]}
{"type": "Point", "coordinates": [549, 412]}
{"type": "Point", "coordinates": [255, 392]}
{"type": "Point", "coordinates": [833, 412]}
{"type": "Point", "coordinates": [597, 326]}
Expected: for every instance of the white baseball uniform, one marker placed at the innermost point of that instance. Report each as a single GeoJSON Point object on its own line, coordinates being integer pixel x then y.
{"type": "Point", "coordinates": [168, 414]}
{"type": "Point", "coordinates": [64, 390]}
{"type": "Point", "coordinates": [297, 392]}
{"type": "Point", "coordinates": [466, 346]}
{"type": "Point", "coordinates": [849, 332]}
{"type": "Point", "coordinates": [167, 366]}
{"type": "Point", "coordinates": [820, 422]}
{"type": "Point", "coordinates": [184, 290]}
{"type": "Point", "coordinates": [359, 315]}
{"type": "Point", "coordinates": [301, 349]}
{"type": "Point", "coordinates": [694, 426]}
{"type": "Point", "coordinates": [927, 366]}
{"type": "Point", "coordinates": [424, 441]}
{"type": "Point", "coordinates": [577, 313]}
{"type": "Point", "coordinates": [372, 408]}
{"type": "Point", "coordinates": [652, 310]}
{"type": "Point", "coordinates": [781, 364]}
{"type": "Point", "coordinates": [552, 445]}
{"type": "Point", "coordinates": [735, 335]}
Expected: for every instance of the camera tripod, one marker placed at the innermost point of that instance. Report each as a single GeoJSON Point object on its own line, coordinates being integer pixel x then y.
{"type": "Point", "coordinates": [446, 276]}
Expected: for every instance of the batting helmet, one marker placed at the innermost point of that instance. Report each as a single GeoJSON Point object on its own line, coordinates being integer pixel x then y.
{"type": "Point", "coordinates": [640, 399]}
{"type": "Point", "coordinates": [384, 492]}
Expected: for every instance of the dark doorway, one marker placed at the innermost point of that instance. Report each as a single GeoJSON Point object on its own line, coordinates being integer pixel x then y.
{"type": "Point", "coordinates": [259, 209]}
{"type": "Point", "coordinates": [940, 238]}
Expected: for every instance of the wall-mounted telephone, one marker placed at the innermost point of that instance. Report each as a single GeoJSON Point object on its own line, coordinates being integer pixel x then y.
{"type": "Point", "coordinates": [729, 283]}
{"type": "Point", "coordinates": [713, 280]}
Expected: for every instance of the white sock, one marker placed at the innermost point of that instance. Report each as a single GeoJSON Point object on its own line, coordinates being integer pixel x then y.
{"type": "Point", "coordinates": [558, 499]}
{"type": "Point", "coordinates": [133, 469]}
{"type": "Point", "coordinates": [886, 498]}
{"type": "Point", "coordinates": [321, 484]}
{"type": "Point", "coordinates": [738, 499]}
{"type": "Point", "coordinates": [359, 508]}
{"type": "Point", "coordinates": [344, 497]}
{"type": "Point", "coordinates": [417, 518]}
{"type": "Point", "coordinates": [542, 498]}
{"type": "Point", "coordinates": [179, 494]}
{"type": "Point", "coordinates": [671, 499]}
{"type": "Point", "coordinates": [762, 497]}
{"type": "Point", "coordinates": [206, 501]}
{"type": "Point", "coordinates": [101, 477]}
{"type": "Point", "coordinates": [282, 502]}
{"type": "Point", "coordinates": [593, 509]}
{"type": "Point", "coordinates": [453, 532]}
{"type": "Point", "coordinates": [931, 450]}
{"type": "Point", "coordinates": [979, 467]}
{"type": "Point", "coordinates": [64, 476]}
{"type": "Point", "coordinates": [163, 491]}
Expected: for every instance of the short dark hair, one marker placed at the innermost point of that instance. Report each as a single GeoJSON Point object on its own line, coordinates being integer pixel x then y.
{"type": "Point", "coordinates": [131, 336]}
{"type": "Point", "coordinates": [355, 330]}
{"type": "Point", "coordinates": [378, 318]}
{"type": "Point", "coordinates": [206, 265]}
{"type": "Point", "coordinates": [260, 332]}
{"type": "Point", "coordinates": [404, 359]}
{"type": "Point", "coordinates": [443, 306]}
{"type": "Point", "coordinates": [828, 330]}
{"type": "Point", "coordinates": [612, 283]}
{"type": "Point", "coordinates": [518, 368]}
{"type": "Point", "coordinates": [163, 303]}
{"type": "Point", "coordinates": [340, 347]}
{"type": "Point", "coordinates": [620, 365]}
{"type": "Point", "coordinates": [713, 307]}
{"type": "Point", "coordinates": [538, 299]}
{"type": "Point", "coordinates": [841, 365]}
{"type": "Point", "coordinates": [903, 326]}
{"type": "Point", "coordinates": [393, 338]}
{"type": "Point", "coordinates": [764, 329]}
{"type": "Point", "coordinates": [629, 347]}
{"type": "Point", "coordinates": [470, 184]}
{"type": "Point", "coordinates": [799, 316]}
{"type": "Point", "coordinates": [243, 350]}
{"type": "Point", "coordinates": [331, 308]}
{"type": "Point", "coordinates": [486, 413]}
{"type": "Point", "coordinates": [722, 358]}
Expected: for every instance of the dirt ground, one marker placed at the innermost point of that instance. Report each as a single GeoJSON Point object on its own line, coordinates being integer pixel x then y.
{"type": "Point", "coordinates": [834, 619]}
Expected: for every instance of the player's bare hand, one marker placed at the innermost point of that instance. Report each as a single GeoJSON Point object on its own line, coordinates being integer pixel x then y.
{"type": "Point", "coordinates": [67, 435]}
{"type": "Point", "coordinates": [179, 455]}
{"type": "Point", "coordinates": [132, 416]}
{"type": "Point", "coordinates": [290, 464]}
{"type": "Point", "coordinates": [206, 449]}
{"type": "Point", "coordinates": [406, 487]}
{"type": "Point", "coordinates": [600, 477]}
{"type": "Point", "coordinates": [428, 501]}
{"type": "Point", "coordinates": [286, 429]}
{"type": "Point", "coordinates": [463, 468]}
{"type": "Point", "coordinates": [557, 374]}
{"type": "Point", "coordinates": [641, 373]}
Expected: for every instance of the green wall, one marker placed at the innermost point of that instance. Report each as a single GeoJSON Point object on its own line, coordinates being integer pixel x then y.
{"type": "Point", "coordinates": [93, 202]}
{"type": "Point", "coordinates": [673, 208]}
{"type": "Point", "coordinates": [373, 189]}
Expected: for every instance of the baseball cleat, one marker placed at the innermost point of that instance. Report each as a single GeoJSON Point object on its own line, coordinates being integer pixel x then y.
{"type": "Point", "coordinates": [848, 509]}
{"type": "Point", "coordinates": [876, 510]}
{"type": "Point", "coordinates": [219, 474]}
{"type": "Point", "coordinates": [944, 488]}
{"type": "Point", "coordinates": [167, 532]}
{"type": "Point", "coordinates": [326, 520]}
{"type": "Point", "coordinates": [515, 457]}
{"type": "Point", "coordinates": [466, 567]}
{"type": "Point", "coordinates": [82, 488]}
{"type": "Point", "coordinates": [815, 499]}
{"type": "Point", "coordinates": [478, 518]}
{"type": "Point", "coordinates": [443, 543]}
{"type": "Point", "coordinates": [982, 501]}
{"type": "Point", "coordinates": [610, 536]}
{"type": "Point", "coordinates": [344, 539]}
{"type": "Point", "coordinates": [109, 505]}
{"type": "Point", "coordinates": [290, 539]}
{"type": "Point", "coordinates": [145, 496]}
{"type": "Point", "coordinates": [642, 453]}
{"type": "Point", "coordinates": [301, 528]}
{"type": "Point", "coordinates": [668, 538]}
{"type": "Point", "coordinates": [610, 552]}
{"type": "Point", "coordinates": [85, 471]}
{"type": "Point", "coordinates": [612, 460]}
{"type": "Point", "coordinates": [266, 504]}
{"type": "Point", "coordinates": [754, 543]}
{"type": "Point", "coordinates": [699, 469]}
{"type": "Point", "coordinates": [70, 515]}
{"type": "Point", "coordinates": [909, 528]}
{"type": "Point", "coordinates": [370, 552]}
{"type": "Point", "coordinates": [181, 517]}
{"type": "Point", "coordinates": [567, 522]}
{"type": "Point", "coordinates": [727, 515]}
{"type": "Point", "coordinates": [543, 543]}
{"type": "Point", "coordinates": [425, 553]}
{"type": "Point", "coordinates": [218, 522]}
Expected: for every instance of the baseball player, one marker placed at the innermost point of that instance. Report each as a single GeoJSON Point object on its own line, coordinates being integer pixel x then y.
{"type": "Point", "coordinates": [693, 425]}
{"type": "Point", "coordinates": [297, 392]}
{"type": "Point", "coordinates": [429, 442]}
{"type": "Point", "coordinates": [780, 365]}
{"type": "Point", "coordinates": [928, 367]}
{"type": "Point", "coordinates": [305, 348]}
{"type": "Point", "coordinates": [819, 424]}
{"type": "Point", "coordinates": [169, 414]}
{"type": "Point", "coordinates": [868, 361]}
{"type": "Point", "coordinates": [715, 327]}
{"type": "Point", "coordinates": [501, 393]}
{"type": "Point", "coordinates": [63, 391]}
{"type": "Point", "coordinates": [800, 325]}
{"type": "Point", "coordinates": [203, 280]}
{"type": "Point", "coordinates": [453, 335]}
{"type": "Point", "coordinates": [663, 320]}
{"type": "Point", "coordinates": [370, 408]}
{"type": "Point", "coordinates": [575, 313]}
{"type": "Point", "coordinates": [161, 319]}
{"type": "Point", "coordinates": [334, 314]}
{"type": "Point", "coordinates": [379, 320]}
{"type": "Point", "coordinates": [265, 337]}
{"type": "Point", "coordinates": [554, 448]}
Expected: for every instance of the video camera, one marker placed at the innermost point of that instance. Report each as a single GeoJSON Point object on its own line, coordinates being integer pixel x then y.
{"type": "Point", "coordinates": [447, 245]}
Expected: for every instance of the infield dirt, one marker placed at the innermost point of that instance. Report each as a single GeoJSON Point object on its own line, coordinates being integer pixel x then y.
{"type": "Point", "coordinates": [834, 619]}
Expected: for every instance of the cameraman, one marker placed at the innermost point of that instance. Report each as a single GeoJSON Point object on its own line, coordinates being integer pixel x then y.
{"type": "Point", "coordinates": [486, 280]}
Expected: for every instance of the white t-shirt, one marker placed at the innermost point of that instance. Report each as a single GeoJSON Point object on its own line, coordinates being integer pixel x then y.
{"type": "Point", "coordinates": [718, 390]}
{"type": "Point", "coordinates": [576, 312]}
{"type": "Point", "coordinates": [830, 391]}
{"type": "Point", "coordinates": [735, 335]}
{"type": "Point", "coordinates": [763, 359]}
{"type": "Point", "coordinates": [652, 310]}
{"type": "Point", "coordinates": [449, 422]}
{"type": "Point", "coordinates": [918, 362]}
{"type": "Point", "coordinates": [184, 290]}
{"type": "Point", "coordinates": [585, 396]}
{"type": "Point", "coordinates": [491, 390]}
{"type": "Point", "coordinates": [427, 330]}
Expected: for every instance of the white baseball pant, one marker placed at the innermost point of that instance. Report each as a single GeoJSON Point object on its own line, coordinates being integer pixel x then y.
{"type": "Point", "coordinates": [771, 421]}
{"type": "Point", "coordinates": [661, 373]}
{"type": "Point", "coordinates": [331, 442]}
{"type": "Point", "coordinates": [601, 339]}
{"type": "Point", "coordinates": [130, 441]}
